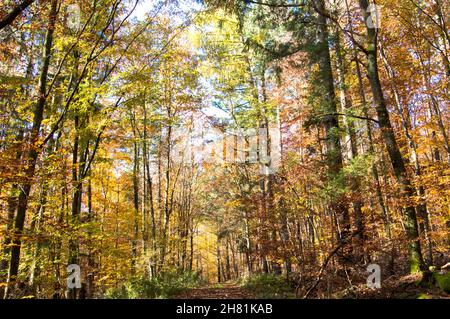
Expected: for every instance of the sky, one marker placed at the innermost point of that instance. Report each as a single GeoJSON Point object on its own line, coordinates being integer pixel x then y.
{"type": "Point", "coordinates": [146, 6]}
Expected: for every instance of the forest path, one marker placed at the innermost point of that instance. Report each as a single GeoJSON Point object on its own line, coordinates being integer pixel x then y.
{"type": "Point", "coordinates": [227, 290]}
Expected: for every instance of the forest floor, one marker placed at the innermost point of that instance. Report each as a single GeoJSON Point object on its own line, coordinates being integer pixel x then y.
{"type": "Point", "coordinates": [228, 290]}
{"type": "Point", "coordinates": [404, 287]}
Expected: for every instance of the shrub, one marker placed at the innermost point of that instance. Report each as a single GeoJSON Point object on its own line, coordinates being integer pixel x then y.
{"type": "Point", "coordinates": [443, 281]}
{"type": "Point", "coordinates": [269, 286]}
{"type": "Point", "coordinates": [164, 286]}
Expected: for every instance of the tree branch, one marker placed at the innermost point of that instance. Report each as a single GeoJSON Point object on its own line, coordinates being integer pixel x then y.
{"type": "Point", "coordinates": [325, 263]}
{"type": "Point", "coordinates": [350, 115]}
{"type": "Point", "coordinates": [10, 17]}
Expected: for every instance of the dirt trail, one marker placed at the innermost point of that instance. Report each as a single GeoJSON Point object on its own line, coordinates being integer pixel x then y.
{"type": "Point", "coordinates": [223, 291]}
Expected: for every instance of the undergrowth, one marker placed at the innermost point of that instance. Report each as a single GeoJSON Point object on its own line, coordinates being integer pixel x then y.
{"type": "Point", "coordinates": [268, 286]}
{"type": "Point", "coordinates": [162, 287]}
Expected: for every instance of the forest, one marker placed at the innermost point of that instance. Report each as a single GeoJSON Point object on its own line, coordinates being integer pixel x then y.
{"type": "Point", "coordinates": [220, 149]}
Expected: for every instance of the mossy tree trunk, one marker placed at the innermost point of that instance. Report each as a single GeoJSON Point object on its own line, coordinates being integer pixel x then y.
{"type": "Point", "coordinates": [416, 262]}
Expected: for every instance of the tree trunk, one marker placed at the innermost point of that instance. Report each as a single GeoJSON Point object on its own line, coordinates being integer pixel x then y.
{"type": "Point", "coordinates": [355, 184]}
{"type": "Point", "coordinates": [330, 120]}
{"type": "Point", "coordinates": [136, 207]}
{"type": "Point", "coordinates": [409, 213]}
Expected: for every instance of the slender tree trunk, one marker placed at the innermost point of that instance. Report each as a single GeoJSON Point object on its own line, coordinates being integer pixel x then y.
{"type": "Point", "coordinates": [12, 206]}
{"type": "Point", "coordinates": [330, 120]}
{"type": "Point", "coordinates": [167, 204]}
{"type": "Point", "coordinates": [354, 182]}
{"type": "Point", "coordinates": [421, 208]}
{"type": "Point", "coordinates": [33, 153]}
{"type": "Point", "coordinates": [219, 273]}
{"type": "Point", "coordinates": [134, 241]}
{"type": "Point", "coordinates": [37, 222]}
{"type": "Point", "coordinates": [90, 287]}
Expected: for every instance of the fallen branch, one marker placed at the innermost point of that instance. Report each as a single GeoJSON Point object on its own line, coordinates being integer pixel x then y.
{"type": "Point", "coordinates": [325, 263]}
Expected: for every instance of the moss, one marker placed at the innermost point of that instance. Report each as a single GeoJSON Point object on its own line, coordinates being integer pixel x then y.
{"type": "Point", "coordinates": [414, 267]}
{"type": "Point", "coordinates": [424, 296]}
{"type": "Point", "coordinates": [415, 259]}
{"type": "Point", "coordinates": [443, 281]}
